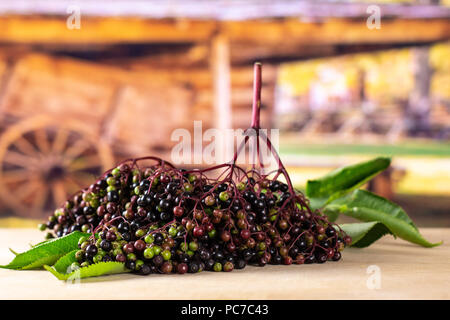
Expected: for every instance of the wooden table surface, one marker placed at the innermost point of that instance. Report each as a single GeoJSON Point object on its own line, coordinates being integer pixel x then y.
{"type": "Point", "coordinates": [390, 269]}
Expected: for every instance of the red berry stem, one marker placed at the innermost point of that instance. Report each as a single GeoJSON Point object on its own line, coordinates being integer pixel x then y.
{"type": "Point", "coordinates": [257, 72]}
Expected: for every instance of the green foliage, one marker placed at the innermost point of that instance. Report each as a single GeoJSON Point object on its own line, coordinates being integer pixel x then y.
{"type": "Point", "coordinates": [46, 253]}
{"type": "Point", "coordinates": [337, 193]}
{"type": "Point", "coordinates": [368, 207]}
{"type": "Point", "coordinates": [364, 234]}
{"type": "Point", "coordinates": [343, 180]}
{"type": "Point", "coordinates": [93, 270]}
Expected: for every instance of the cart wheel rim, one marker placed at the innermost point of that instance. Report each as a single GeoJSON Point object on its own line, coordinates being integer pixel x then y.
{"type": "Point", "coordinates": [43, 161]}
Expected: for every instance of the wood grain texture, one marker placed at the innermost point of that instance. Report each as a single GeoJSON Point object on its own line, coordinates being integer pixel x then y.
{"type": "Point", "coordinates": [407, 272]}
{"type": "Point", "coordinates": [108, 30]}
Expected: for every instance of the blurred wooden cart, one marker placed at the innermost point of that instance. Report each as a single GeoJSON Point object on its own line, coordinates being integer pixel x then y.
{"type": "Point", "coordinates": [64, 122]}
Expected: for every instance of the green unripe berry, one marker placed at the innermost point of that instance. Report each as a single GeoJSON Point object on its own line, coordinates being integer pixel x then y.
{"type": "Point", "coordinates": [139, 264]}
{"type": "Point", "coordinates": [173, 231]}
{"type": "Point", "coordinates": [94, 203]}
{"type": "Point", "coordinates": [190, 253]}
{"type": "Point", "coordinates": [217, 267]}
{"type": "Point", "coordinates": [148, 253]}
{"type": "Point", "coordinates": [110, 188]}
{"type": "Point", "coordinates": [68, 204]}
{"type": "Point", "coordinates": [131, 257]}
{"type": "Point", "coordinates": [212, 233]}
{"type": "Point", "coordinates": [193, 246]}
{"type": "Point", "coordinates": [117, 251]}
{"type": "Point", "coordinates": [140, 233]}
{"type": "Point", "coordinates": [79, 255]}
{"type": "Point", "coordinates": [81, 240]}
{"type": "Point", "coordinates": [84, 245]}
{"type": "Point", "coordinates": [183, 246]}
{"type": "Point", "coordinates": [115, 172]}
{"type": "Point", "coordinates": [42, 226]}
{"type": "Point", "coordinates": [188, 187]}
{"type": "Point", "coordinates": [166, 255]}
{"type": "Point", "coordinates": [88, 196]}
{"type": "Point", "coordinates": [111, 181]}
{"type": "Point", "coordinates": [149, 239]}
{"type": "Point", "coordinates": [137, 190]}
{"type": "Point", "coordinates": [116, 245]}
{"type": "Point", "coordinates": [224, 196]}
{"type": "Point", "coordinates": [84, 264]}
{"type": "Point", "coordinates": [97, 258]}
{"type": "Point", "coordinates": [156, 250]}
{"type": "Point", "coordinates": [262, 246]}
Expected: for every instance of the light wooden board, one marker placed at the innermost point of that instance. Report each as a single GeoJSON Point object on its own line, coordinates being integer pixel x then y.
{"type": "Point", "coordinates": [406, 272]}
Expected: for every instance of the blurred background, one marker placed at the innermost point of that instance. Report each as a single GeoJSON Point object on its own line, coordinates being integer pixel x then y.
{"type": "Point", "coordinates": [85, 84]}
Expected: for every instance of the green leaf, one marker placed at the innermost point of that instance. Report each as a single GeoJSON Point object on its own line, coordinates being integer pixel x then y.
{"type": "Point", "coordinates": [364, 234]}
{"type": "Point", "coordinates": [63, 263]}
{"type": "Point", "coordinates": [366, 206]}
{"type": "Point", "coordinates": [46, 253]}
{"type": "Point", "coordinates": [42, 242]}
{"type": "Point", "coordinates": [343, 180]}
{"type": "Point", "coordinates": [332, 215]}
{"type": "Point", "coordinates": [93, 270]}
{"type": "Point", "coordinates": [366, 199]}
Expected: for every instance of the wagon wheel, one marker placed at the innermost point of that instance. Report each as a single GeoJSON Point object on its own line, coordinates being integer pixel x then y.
{"type": "Point", "coordinates": [43, 161]}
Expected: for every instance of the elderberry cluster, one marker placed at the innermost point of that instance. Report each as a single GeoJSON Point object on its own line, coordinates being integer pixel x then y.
{"type": "Point", "coordinates": [160, 219]}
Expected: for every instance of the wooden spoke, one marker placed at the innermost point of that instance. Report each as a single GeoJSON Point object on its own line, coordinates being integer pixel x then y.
{"type": "Point", "coordinates": [72, 186]}
{"type": "Point", "coordinates": [42, 140]}
{"type": "Point", "coordinates": [24, 146]}
{"type": "Point", "coordinates": [14, 176]}
{"type": "Point", "coordinates": [40, 199]}
{"type": "Point", "coordinates": [27, 190]}
{"type": "Point", "coordinates": [83, 179]}
{"type": "Point", "coordinates": [18, 159]}
{"type": "Point", "coordinates": [84, 163]}
{"type": "Point", "coordinates": [59, 193]}
{"type": "Point", "coordinates": [60, 141]}
{"type": "Point", "coordinates": [76, 149]}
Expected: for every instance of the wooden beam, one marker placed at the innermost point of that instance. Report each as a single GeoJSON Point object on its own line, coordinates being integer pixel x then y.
{"type": "Point", "coordinates": [337, 31]}
{"type": "Point", "coordinates": [220, 67]}
{"type": "Point", "coordinates": [20, 29]}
